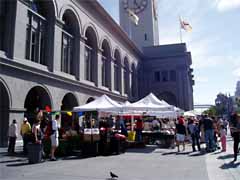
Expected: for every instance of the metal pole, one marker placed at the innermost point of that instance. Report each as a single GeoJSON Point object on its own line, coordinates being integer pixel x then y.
{"type": "Point", "coordinates": [180, 28]}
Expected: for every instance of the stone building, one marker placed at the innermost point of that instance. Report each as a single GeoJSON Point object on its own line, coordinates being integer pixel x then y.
{"type": "Point", "coordinates": [64, 53]}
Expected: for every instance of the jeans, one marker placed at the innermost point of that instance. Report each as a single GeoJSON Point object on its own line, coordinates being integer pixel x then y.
{"type": "Point", "coordinates": [11, 145]}
{"type": "Point", "coordinates": [25, 138]}
{"type": "Point", "coordinates": [139, 135]}
{"type": "Point", "coordinates": [236, 139]}
{"type": "Point", "coordinates": [195, 140]}
{"type": "Point", "coordinates": [209, 139]}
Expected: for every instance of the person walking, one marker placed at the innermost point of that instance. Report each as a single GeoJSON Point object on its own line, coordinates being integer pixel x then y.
{"type": "Point", "coordinates": [12, 134]}
{"type": "Point", "coordinates": [54, 136]}
{"type": "Point", "coordinates": [25, 132]}
{"type": "Point", "coordinates": [194, 132]}
{"type": "Point", "coordinates": [223, 134]}
{"type": "Point", "coordinates": [139, 128]}
{"type": "Point", "coordinates": [180, 134]}
{"type": "Point", "coordinates": [209, 134]}
{"type": "Point", "coordinates": [235, 132]}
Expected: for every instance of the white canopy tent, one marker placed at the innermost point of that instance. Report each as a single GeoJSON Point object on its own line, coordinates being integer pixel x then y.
{"type": "Point", "coordinates": [189, 114]}
{"type": "Point", "coordinates": [103, 103]}
{"type": "Point", "coordinates": [148, 103]}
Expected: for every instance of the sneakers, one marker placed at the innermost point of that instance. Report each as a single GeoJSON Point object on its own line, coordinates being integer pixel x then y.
{"type": "Point", "coordinates": [53, 159]}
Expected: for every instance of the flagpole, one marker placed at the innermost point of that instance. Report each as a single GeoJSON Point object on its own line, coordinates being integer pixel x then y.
{"type": "Point", "coordinates": [180, 29]}
{"type": "Point", "coordinates": [129, 27]}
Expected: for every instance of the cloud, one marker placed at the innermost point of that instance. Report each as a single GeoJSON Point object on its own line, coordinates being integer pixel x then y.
{"type": "Point", "coordinates": [236, 72]}
{"type": "Point", "coordinates": [201, 79]}
{"type": "Point", "coordinates": [226, 5]}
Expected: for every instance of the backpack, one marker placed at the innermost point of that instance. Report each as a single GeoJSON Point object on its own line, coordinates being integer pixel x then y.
{"type": "Point", "coordinates": [49, 130]}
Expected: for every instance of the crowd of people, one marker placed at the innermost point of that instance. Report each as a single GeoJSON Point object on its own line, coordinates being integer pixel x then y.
{"type": "Point", "coordinates": [208, 130]}
{"type": "Point", "coordinates": [203, 129]}
{"type": "Point", "coordinates": [35, 134]}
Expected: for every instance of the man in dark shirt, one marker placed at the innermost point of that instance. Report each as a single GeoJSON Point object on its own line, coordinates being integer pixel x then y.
{"type": "Point", "coordinates": [209, 134]}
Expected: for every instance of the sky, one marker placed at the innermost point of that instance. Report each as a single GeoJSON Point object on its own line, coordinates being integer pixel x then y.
{"type": "Point", "coordinates": [214, 42]}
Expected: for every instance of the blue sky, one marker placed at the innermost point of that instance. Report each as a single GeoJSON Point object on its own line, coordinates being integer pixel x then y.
{"type": "Point", "coordinates": [214, 41]}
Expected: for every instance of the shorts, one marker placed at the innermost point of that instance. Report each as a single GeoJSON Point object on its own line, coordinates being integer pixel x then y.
{"type": "Point", "coordinates": [54, 140]}
{"type": "Point", "coordinates": [180, 137]}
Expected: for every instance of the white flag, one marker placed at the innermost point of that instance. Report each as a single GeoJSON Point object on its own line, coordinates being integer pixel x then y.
{"type": "Point", "coordinates": [134, 18]}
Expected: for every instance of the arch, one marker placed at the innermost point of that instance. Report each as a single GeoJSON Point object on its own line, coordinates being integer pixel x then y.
{"type": "Point", "coordinates": [117, 55]}
{"type": "Point", "coordinates": [169, 97]}
{"type": "Point", "coordinates": [117, 70]}
{"type": "Point", "coordinates": [106, 40]}
{"type": "Point", "coordinates": [90, 99]}
{"type": "Point", "coordinates": [74, 14]}
{"type": "Point", "coordinates": [69, 101]}
{"type": "Point", "coordinates": [40, 32]}
{"type": "Point", "coordinates": [93, 29]}
{"type": "Point", "coordinates": [70, 42]}
{"type": "Point", "coordinates": [38, 98]}
{"type": "Point", "coordinates": [91, 55]}
{"type": "Point", "coordinates": [4, 113]}
{"type": "Point", "coordinates": [106, 63]}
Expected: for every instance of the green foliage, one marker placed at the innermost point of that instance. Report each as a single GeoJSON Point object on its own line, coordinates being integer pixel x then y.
{"type": "Point", "coordinates": [212, 111]}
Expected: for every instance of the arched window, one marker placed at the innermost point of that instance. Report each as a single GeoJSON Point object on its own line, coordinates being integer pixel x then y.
{"type": "Point", "coordinates": [106, 64]}
{"type": "Point", "coordinates": [90, 55]}
{"type": "Point", "coordinates": [69, 33]}
{"type": "Point", "coordinates": [117, 71]}
{"type": "Point", "coordinates": [39, 29]}
{"type": "Point", "coordinates": [134, 81]}
{"type": "Point", "coordinates": [126, 76]}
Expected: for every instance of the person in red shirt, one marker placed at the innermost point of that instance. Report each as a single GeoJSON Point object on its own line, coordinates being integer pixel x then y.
{"type": "Point", "coordinates": [139, 128]}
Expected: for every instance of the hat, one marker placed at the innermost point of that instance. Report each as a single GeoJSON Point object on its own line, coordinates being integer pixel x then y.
{"type": "Point", "coordinates": [25, 119]}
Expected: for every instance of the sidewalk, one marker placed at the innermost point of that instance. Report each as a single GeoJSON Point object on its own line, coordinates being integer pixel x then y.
{"type": "Point", "coordinates": [220, 165]}
{"type": "Point", "coordinates": [150, 163]}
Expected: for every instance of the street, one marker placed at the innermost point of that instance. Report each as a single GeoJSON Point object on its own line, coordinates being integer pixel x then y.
{"type": "Point", "coordinates": [136, 164]}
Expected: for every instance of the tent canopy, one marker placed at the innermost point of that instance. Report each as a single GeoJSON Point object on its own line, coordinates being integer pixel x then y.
{"type": "Point", "coordinates": [149, 103]}
{"type": "Point", "coordinates": [100, 104]}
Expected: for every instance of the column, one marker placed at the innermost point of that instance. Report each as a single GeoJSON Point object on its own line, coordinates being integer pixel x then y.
{"type": "Point", "coordinates": [57, 46]}
{"type": "Point", "coordinates": [121, 81]}
{"type": "Point", "coordinates": [99, 68]}
{"type": "Point", "coordinates": [82, 59]}
{"type": "Point", "coordinates": [112, 74]}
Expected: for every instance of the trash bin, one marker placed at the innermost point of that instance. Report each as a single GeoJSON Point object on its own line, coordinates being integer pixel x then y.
{"type": "Point", "coordinates": [34, 153]}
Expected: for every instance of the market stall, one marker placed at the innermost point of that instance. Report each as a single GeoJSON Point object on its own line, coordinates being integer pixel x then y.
{"type": "Point", "coordinates": [101, 139]}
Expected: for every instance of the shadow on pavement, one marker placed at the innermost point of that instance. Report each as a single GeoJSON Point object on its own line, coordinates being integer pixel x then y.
{"type": "Point", "coordinates": [169, 153]}
{"type": "Point", "coordinates": [18, 164]}
{"type": "Point", "coordinates": [13, 160]}
{"type": "Point", "coordinates": [197, 154]}
{"type": "Point", "coordinates": [142, 150]}
{"type": "Point", "coordinates": [183, 153]}
{"type": "Point", "coordinates": [226, 156]}
{"type": "Point", "coordinates": [230, 165]}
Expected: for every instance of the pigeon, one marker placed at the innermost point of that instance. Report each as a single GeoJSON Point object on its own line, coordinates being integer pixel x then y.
{"type": "Point", "coordinates": [113, 175]}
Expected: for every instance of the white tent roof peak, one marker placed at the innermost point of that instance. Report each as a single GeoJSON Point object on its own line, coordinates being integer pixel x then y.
{"type": "Point", "coordinates": [101, 103]}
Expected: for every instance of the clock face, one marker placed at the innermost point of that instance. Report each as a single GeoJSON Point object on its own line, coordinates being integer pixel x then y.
{"type": "Point", "coordinates": [137, 6]}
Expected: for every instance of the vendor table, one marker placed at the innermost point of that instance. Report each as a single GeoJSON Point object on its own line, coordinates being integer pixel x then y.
{"type": "Point", "coordinates": [157, 137]}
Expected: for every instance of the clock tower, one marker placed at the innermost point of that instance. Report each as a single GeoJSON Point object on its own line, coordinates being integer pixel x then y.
{"type": "Point", "coordinates": [145, 33]}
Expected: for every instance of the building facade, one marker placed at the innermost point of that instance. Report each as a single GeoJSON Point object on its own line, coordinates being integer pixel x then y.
{"type": "Point", "coordinates": [64, 53]}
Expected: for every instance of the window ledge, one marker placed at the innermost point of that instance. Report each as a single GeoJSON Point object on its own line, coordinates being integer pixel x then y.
{"type": "Point", "coordinates": [31, 64]}
{"type": "Point", "coordinates": [104, 88]}
{"type": "Point", "coordinates": [2, 53]}
{"type": "Point", "coordinates": [116, 92]}
{"type": "Point", "coordinates": [87, 82]}
{"type": "Point", "coordinates": [65, 75]}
